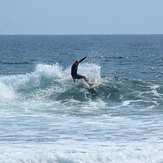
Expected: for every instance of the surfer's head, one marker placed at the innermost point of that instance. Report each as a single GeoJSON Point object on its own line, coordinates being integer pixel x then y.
{"type": "Point", "coordinates": [77, 62]}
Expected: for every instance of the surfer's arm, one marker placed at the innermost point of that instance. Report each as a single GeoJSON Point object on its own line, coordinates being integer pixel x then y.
{"type": "Point", "coordinates": [83, 58]}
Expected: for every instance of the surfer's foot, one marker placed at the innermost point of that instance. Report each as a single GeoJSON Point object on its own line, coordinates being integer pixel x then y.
{"type": "Point", "coordinates": [90, 84]}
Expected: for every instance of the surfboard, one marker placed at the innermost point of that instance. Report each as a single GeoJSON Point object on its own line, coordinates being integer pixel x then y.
{"type": "Point", "coordinates": [95, 84]}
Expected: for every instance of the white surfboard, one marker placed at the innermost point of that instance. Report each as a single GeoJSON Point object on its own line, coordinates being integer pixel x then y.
{"type": "Point", "coordinates": [95, 84]}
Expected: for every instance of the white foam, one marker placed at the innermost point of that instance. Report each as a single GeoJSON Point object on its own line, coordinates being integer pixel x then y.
{"type": "Point", "coordinates": [154, 90]}
{"type": "Point", "coordinates": [52, 153]}
{"type": "Point", "coordinates": [6, 92]}
{"type": "Point", "coordinates": [49, 71]}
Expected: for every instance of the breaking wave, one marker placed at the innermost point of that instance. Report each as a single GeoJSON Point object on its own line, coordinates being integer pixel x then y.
{"type": "Point", "coordinates": [51, 88]}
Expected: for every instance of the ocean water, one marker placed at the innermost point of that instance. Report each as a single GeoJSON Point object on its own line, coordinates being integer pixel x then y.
{"type": "Point", "coordinates": [47, 118]}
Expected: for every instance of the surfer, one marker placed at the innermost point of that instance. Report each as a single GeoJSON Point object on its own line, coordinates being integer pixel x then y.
{"type": "Point", "coordinates": [74, 73]}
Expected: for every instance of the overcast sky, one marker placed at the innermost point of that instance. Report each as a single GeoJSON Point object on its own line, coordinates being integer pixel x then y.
{"type": "Point", "coordinates": [81, 17]}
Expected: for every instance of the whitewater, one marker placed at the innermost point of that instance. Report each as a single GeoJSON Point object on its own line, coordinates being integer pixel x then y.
{"type": "Point", "coordinates": [45, 117]}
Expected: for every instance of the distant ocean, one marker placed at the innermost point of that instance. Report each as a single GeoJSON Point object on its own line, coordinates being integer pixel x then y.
{"type": "Point", "coordinates": [47, 118]}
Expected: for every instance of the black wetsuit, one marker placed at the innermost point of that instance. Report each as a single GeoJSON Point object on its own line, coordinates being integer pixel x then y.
{"type": "Point", "coordinates": [74, 69]}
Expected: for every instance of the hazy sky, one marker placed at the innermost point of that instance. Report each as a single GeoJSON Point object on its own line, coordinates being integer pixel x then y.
{"type": "Point", "coordinates": [81, 16]}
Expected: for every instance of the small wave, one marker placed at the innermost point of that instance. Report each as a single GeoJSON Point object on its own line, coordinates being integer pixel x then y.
{"type": "Point", "coordinates": [16, 63]}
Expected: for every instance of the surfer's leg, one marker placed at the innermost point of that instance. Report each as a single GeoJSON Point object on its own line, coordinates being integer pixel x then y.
{"type": "Point", "coordinates": [78, 76]}
{"type": "Point", "coordinates": [87, 81]}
